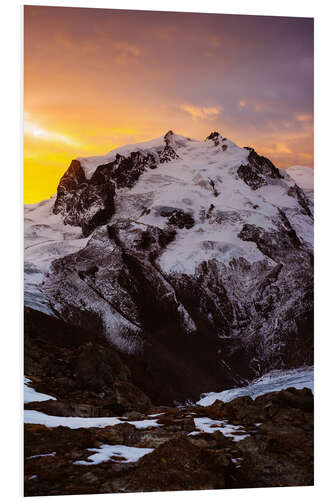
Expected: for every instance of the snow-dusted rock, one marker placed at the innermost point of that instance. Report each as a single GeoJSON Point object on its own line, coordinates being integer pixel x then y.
{"type": "Point", "coordinates": [199, 260]}
{"type": "Point", "coordinates": [304, 177]}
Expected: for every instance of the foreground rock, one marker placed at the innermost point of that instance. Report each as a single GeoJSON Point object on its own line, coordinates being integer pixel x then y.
{"type": "Point", "coordinates": [243, 443]}
{"type": "Point", "coordinates": [271, 444]}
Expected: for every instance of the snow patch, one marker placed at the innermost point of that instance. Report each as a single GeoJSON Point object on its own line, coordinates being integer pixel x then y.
{"type": "Point", "coordinates": [37, 417]}
{"type": "Point", "coordinates": [107, 451]}
{"type": "Point", "coordinates": [31, 395]}
{"type": "Point", "coordinates": [209, 425]}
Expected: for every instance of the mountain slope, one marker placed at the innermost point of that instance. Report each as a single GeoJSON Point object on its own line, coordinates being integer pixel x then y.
{"type": "Point", "coordinates": [195, 256]}
{"type": "Point", "coordinates": [304, 177]}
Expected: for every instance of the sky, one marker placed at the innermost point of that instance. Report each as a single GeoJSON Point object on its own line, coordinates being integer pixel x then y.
{"type": "Point", "coordinates": [96, 79]}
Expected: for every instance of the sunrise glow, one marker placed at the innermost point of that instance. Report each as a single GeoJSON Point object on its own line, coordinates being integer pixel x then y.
{"type": "Point", "coordinates": [96, 79]}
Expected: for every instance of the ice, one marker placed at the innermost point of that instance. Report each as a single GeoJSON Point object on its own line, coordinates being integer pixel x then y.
{"type": "Point", "coordinates": [273, 381]}
{"type": "Point", "coordinates": [106, 452]}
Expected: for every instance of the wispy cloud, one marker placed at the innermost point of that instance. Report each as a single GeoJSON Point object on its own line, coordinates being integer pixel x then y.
{"type": "Point", "coordinates": [215, 41]}
{"type": "Point", "coordinates": [125, 52]}
{"type": "Point", "coordinates": [34, 130]}
{"type": "Point", "coordinates": [204, 113]}
{"type": "Point", "coordinates": [304, 117]}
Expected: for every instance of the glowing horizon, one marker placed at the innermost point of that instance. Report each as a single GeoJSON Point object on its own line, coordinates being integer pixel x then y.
{"type": "Point", "coordinates": [97, 79]}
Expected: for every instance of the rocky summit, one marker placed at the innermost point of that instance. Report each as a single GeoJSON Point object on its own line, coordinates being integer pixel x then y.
{"type": "Point", "coordinates": [159, 272]}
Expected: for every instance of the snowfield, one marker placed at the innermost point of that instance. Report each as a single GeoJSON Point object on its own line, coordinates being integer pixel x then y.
{"type": "Point", "coordinates": [46, 238]}
{"type": "Point", "coordinates": [203, 182]}
{"type": "Point", "coordinates": [274, 381]}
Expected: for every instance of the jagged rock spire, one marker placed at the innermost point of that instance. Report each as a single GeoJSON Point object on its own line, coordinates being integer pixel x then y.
{"type": "Point", "coordinates": [216, 137]}
{"type": "Point", "coordinates": [170, 139]}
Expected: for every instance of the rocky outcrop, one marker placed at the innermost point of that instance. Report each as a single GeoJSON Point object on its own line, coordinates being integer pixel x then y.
{"type": "Point", "coordinates": [86, 375]}
{"type": "Point", "coordinates": [257, 170]}
{"type": "Point", "coordinates": [84, 203]}
{"type": "Point", "coordinates": [90, 203]}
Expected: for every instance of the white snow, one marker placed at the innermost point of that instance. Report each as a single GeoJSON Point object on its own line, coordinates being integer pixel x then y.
{"type": "Point", "coordinates": [188, 183]}
{"type": "Point", "coordinates": [107, 451]}
{"type": "Point", "coordinates": [273, 381]}
{"type": "Point", "coordinates": [37, 417]}
{"type": "Point", "coordinates": [46, 238]}
{"type": "Point", "coordinates": [203, 182]}
{"type": "Point", "coordinates": [209, 425]}
{"type": "Point", "coordinates": [30, 395]}
{"type": "Point", "coordinates": [303, 176]}
{"type": "Point", "coordinates": [89, 164]}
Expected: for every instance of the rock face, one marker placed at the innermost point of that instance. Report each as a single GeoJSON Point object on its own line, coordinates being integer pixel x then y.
{"type": "Point", "coordinates": [86, 375]}
{"type": "Point", "coordinates": [199, 261]}
{"type": "Point", "coordinates": [90, 203]}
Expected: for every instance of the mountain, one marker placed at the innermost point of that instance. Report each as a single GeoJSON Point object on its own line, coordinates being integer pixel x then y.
{"type": "Point", "coordinates": [304, 178]}
{"type": "Point", "coordinates": [192, 258]}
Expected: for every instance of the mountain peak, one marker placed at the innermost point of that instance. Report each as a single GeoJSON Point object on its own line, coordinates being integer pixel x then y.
{"type": "Point", "coordinates": [216, 137]}
{"type": "Point", "coordinates": [192, 243]}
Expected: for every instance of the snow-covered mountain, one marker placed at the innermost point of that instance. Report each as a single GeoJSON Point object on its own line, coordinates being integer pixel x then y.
{"type": "Point", "coordinates": [196, 257]}
{"type": "Point", "coordinates": [304, 177]}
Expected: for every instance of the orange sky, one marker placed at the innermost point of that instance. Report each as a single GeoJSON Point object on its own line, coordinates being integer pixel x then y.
{"type": "Point", "coordinates": [96, 79]}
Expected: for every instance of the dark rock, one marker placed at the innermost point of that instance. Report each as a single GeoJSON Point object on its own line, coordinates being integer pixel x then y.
{"type": "Point", "coordinates": [215, 137]}
{"type": "Point", "coordinates": [130, 397]}
{"type": "Point", "coordinates": [91, 379]}
{"type": "Point", "coordinates": [84, 203]}
{"type": "Point", "coordinates": [297, 193]}
{"type": "Point", "coordinates": [279, 452]}
{"type": "Point", "coordinates": [255, 173]}
{"type": "Point", "coordinates": [178, 218]}
{"type": "Point", "coordinates": [90, 203]}
{"type": "Point", "coordinates": [176, 465]}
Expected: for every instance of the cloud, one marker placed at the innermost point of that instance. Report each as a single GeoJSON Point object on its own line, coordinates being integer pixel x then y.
{"type": "Point", "coordinates": [215, 41]}
{"type": "Point", "coordinates": [242, 104]}
{"type": "Point", "coordinates": [278, 148]}
{"type": "Point", "coordinates": [34, 130]}
{"type": "Point", "coordinates": [204, 113]}
{"type": "Point", "coordinates": [304, 117]}
{"type": "Point", "coordinates": [125, 52]}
